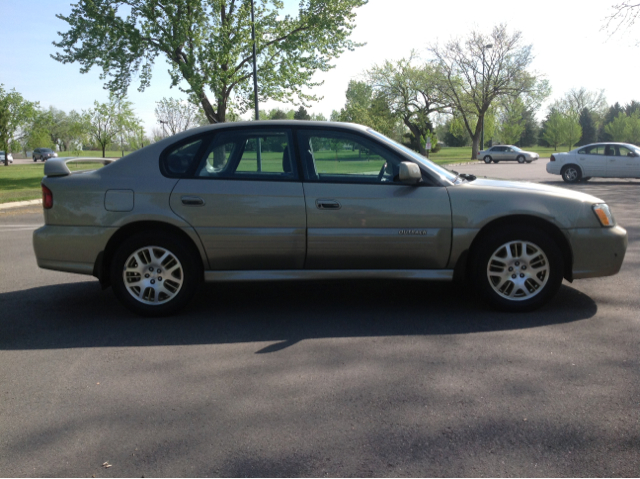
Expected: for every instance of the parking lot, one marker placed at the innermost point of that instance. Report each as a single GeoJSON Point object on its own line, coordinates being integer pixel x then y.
{"type": "Point", "coordinates": [336, 378]}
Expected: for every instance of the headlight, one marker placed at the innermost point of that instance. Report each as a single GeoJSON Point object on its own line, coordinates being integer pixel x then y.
{"type": "Point", "coordinates": [604, 215]}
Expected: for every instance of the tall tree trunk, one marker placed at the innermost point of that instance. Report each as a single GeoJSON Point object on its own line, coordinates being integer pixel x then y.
{"type": "Point", "coordinates": [208, 109]}
{"type": "Point", "coordinates": [417, 134]}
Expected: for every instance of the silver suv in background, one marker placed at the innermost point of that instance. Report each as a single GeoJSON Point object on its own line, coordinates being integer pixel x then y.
{"type": "Point", "coordinates": [43, 154]}
{"type": "Point", "coordinates": [499, 153]}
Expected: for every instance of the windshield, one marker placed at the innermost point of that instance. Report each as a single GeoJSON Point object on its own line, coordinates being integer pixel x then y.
{"type": "Point", "coordinates": [515, 148]}
{"type": "Point", "coordinates": [442, 172]}
{"type": "Point", "coordinates": [635, 149]}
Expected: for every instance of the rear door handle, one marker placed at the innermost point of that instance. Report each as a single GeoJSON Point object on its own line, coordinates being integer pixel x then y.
{"type": "Point", "coordinates": [328, 205]}
{"type": "Point", "coordinates": [192, 201]}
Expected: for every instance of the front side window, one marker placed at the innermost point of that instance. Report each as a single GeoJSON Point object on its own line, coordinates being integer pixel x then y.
{"type": "Point", "coordinates": [249, 154]}
{"type": "Point", "coordinates": [342, 157]}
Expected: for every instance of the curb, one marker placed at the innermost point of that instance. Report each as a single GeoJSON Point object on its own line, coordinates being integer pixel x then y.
{"type": "Point", "coordinates": [18, 204]}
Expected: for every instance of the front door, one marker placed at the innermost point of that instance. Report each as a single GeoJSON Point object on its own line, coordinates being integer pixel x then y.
{"type": "Point", "coordinates": [621, 162]}
{"type": "Point", "coordinates": [246, 201]}
{"type": "Point", "coordinates": [360, 217]}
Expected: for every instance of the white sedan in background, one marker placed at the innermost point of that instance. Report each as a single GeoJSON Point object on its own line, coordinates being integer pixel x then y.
{"type": "Point", "coordinates": [602, 160]}
{"type": "Point", "coordinates": [499, 153]}
{"type": "Point", "coordinates": [10, 157]}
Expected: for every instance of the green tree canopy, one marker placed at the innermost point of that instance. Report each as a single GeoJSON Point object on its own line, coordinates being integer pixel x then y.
{"type": "Point", "coordinates": [208, 46]}
{"type": "Point", "coordinates": [411, 94]}
{"type": "Point", "coordinates": [588, 125]}
{"type": "Point", "coordinates": [15, 114]}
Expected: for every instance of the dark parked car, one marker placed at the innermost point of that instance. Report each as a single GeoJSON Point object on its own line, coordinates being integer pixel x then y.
{"type": "Point", "coordinates": [43, 154]}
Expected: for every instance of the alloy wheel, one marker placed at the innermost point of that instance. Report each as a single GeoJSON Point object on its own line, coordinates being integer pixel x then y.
{"type": "Point", "coordinates": [518, 270]}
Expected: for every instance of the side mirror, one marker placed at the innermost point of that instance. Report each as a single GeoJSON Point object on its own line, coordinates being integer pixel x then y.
{"type": "Point", "coordinates": [409, 173]}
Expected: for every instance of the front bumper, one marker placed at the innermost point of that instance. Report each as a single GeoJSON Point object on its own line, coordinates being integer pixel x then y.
{"type": "Point", "coordinates": [597, 251]}
{"type": "Point", "coordinates": [73, 249]}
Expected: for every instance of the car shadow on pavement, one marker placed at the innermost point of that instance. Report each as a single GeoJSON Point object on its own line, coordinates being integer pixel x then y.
{"type": "Point", "coordinates": [81, 315]}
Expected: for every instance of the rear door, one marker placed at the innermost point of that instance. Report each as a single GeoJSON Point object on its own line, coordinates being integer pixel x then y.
{"type": "Point", "coordinates": [245, 200]}
{"type": "Point", "coordinates": [359, 216]}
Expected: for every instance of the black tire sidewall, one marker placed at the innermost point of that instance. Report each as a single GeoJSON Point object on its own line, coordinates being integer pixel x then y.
{"type": "Point", "coordinates": [487, 159]}
{"type": "Point", "coordinates": [571, 167]}
{"type": "Point", "coordinates": [191, 265]}
{"type": "Point", "coordinates": [520, 159]}
{"type": "Point", "coordinates": [489, 244]}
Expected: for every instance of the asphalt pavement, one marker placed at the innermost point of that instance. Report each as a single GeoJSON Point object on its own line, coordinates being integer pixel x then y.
{"type": "Point", "coordinates": [339, 378]}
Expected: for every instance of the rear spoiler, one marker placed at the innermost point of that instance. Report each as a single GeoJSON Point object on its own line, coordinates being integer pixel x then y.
{"type": "Point", "coordinates": [58, 166]}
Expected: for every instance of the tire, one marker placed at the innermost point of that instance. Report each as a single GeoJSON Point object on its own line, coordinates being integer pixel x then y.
{"type": "Point", "coordinates": [520, 159]}
{"type": "Point", "coordinates": [571, 174]}
{"type": "Point", "coordinates": [528, 161]}
{"type": "Point", "coordinates": [496, 161]}
{"type": "Point", "coordinates": [586, 178]}
{"type": "Point", "coordinates": [35, 160]}
{"type": "Point", "coordinates": [537, 278]}
{"type": "Point", "coordinates": [487, 159]}
{"type": "Point", "coordinates": [149, 254]}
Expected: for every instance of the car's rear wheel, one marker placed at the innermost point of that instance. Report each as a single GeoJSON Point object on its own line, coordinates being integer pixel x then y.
{"type": "Point", "coordinates": [571, 174]}
{"type": "Point", "coordinates": [518, 268]}
{"type": "Point", "coordinates": [520, 159]}
{"type": "Point", "coordinates": [487, 159]}
{"type": "Point", "coordinates": [155, 273]}
{"type": "Point", "coordinates": [496, 161]}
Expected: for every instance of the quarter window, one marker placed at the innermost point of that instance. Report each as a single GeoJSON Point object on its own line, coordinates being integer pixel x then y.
{"type": "Point", "coordinates": [177, 161]}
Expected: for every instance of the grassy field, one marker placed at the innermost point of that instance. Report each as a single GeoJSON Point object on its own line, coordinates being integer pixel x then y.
{"type": "Point", "coordinates": [22, 182]}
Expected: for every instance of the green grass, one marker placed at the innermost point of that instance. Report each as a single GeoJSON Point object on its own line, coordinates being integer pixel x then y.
{"type": "Point", "coordinates": [22, 182]}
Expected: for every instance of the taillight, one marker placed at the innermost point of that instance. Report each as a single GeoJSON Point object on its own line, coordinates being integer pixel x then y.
{"type": "Point", "coordinates": [47, 198]}
{"type": "Point", "coordinates": [553, 158]}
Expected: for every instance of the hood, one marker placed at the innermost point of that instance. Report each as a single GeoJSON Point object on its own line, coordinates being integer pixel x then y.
{"type": "Point", "coordinates": [543, 189]}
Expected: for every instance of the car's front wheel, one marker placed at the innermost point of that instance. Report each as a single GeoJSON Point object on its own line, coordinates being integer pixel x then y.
{"type": "Point", "coordinates": [571, 174]}
{"type": "Point", "coordinates": [155, 274]}
{"type": "Point", "coordinates": [487, 159]}
{"type": "Point", "coordinates": [518, 268]}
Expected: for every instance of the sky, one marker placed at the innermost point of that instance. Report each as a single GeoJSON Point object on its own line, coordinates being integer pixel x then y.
{"type": "Point", "coordinates": [571, 46]}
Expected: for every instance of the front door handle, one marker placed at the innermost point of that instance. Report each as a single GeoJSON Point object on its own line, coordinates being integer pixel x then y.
{"type": "Point", "coordinates": [328, 205]}
{"type": "Point", "coordinates": [192, 201]}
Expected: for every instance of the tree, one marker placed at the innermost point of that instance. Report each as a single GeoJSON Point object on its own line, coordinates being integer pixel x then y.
{"type": "Point", "coordinates": [511, 121]}
{"type": "Point", "coordinates": [552, 130]}
{"type": "Point", "coordinates": [177, 115]}
{"type": "Point", "coordinates": [473, 76]}
{"type": "Point", "coordinates": [208, 45]}
{"type": "Point", "coordinates": [588, 127]}
{"type": "Point", "coordinates": [570, 130]}
{"type": "Point", "coordinates": [411, 94]}
{"type": "Point", "coordinates": [301, 114]}
{"type": "Point", "coordinates": [365, 107]}
{"type": "Point", "coordinates": [106, 120]}
{"type": "Point", "coordinates": [15, 114]}
{"type": "Point", "coordinates": [531, 131]}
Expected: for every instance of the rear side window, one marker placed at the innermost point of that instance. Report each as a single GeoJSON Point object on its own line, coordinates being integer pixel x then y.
{"type": "Point", "coordinates": [178, 160]}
